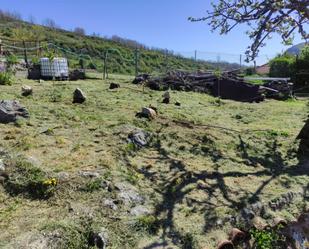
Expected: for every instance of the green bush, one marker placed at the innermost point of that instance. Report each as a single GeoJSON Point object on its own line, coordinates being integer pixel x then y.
{"type": "Point", "coordinates": [6, 78]}
{"type": "Point", "coordinates": [267, 239]}
{"type": "Point", "coordinates": [282, 67]}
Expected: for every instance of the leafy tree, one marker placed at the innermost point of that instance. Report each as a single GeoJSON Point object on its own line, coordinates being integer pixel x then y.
{"type": "Point", "coordinates": [264, 18]}
{"type": "Point", "coordinates": [50, 23]}
{"type": "Point", "coordinates": [79, 31]}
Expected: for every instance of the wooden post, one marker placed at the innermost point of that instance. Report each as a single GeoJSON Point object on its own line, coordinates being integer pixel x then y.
{"type": "Point", "coordinates": [195, 59]}
{"type": "Point", "coordinates": [105, 73]}
{"type": "Point", "coordinates": [166, 60]}
{"type": "Point", "coordinates": [136, 62]}
{"type": "Point", "coordinates": [240, 60]}
{"type": "Point", "coordinates": [25, 54]}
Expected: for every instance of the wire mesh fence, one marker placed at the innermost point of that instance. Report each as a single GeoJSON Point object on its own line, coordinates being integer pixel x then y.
{"type": "Point", "coordinates": [114, 61]}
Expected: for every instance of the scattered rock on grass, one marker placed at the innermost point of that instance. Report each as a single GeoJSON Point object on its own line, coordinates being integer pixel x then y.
{"type": "Point", "coordinates": [166, 97]}
{"type": "Point", "coordinates": [128, 194]}
{"type": "Point", "coordinates": [26, 90]}
{"type": "Point", "coordinates": [109, 203]}
{"type": "Point", "coordinates": [63, 176]}
{"type": "Point", "coordinates": [90, 174]}
{"type": "Point", "coordinates": [139, 138]}
{"type": "Point", "coordinates": [114, 86]}
{"type": "Point", "coordinates": [78, 96]}
{"type": "Point", "coordinates": [141, 78]}
{"type": "Point", "coordinates": [2, 166]}
{"type": "Point", "coordinates": [139, 210]}
{"type": "Point", "coordinates": [177, 103]}
{"type": "Point", "coordinates": [11, 110]}
{"type": "Point", "coordinates": [147, 112]}
{"type": "Point", "coordinates": [98, 239]}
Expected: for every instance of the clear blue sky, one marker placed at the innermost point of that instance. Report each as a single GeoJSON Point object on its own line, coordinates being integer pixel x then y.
{"type": "Point", "coordinates": [158, 23]}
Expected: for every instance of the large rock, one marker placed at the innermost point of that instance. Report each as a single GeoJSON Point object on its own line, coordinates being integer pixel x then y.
{"type": "Point", "coordinates": [141, 78]}
{"type": "Point", "coordinates": [77, 75]}
{"type": "Point", "coordinates": [11, 110]}
{"type": "Point", "coordinates": [78, 96]}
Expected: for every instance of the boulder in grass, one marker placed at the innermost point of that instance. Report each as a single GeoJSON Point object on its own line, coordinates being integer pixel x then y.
{"type": "Point", "coordinates": [166, 97]}
{"type": "Point", "coordinates": [11, 110]}
{"type": "Point", "coordinates": [149, 112]}
{"type": "Point", "coordinates": [139, 138]}
{"type": "Point", "coordinates": [78, 96]}
{"type": "Point", "coordinates": [26, 90]}
{"type": "Point", "coordinates": [141, 78]}
{"type": "Point", "coordinates": [114, 86]}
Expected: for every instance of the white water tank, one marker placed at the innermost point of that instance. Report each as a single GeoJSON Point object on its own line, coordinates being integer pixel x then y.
{"type": "Point", "coordinates": [57, 68]}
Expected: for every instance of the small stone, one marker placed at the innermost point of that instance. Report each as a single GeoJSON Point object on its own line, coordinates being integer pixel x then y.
{"type": "Point", "coordinates": [110, 204]}
{"type": "Point", "coordinates": [78, 96]}
{"type": "Point", "coordinates": [128, 194]}
{"type": "Point", "coordinates": [2, 166]}
{"type": "Point", "coordinates": [90, 174]}
{"type": "Point", "coordinates": [259, 223]}
{"type": "Point", "coordinates": [114, 86]}
{"type": "Point", "coordinates": [26, 90]}
{"type": "Point", "coordinates": [248, 214]}
{"type": "Point", "coordinates": [41, 81]}
{"type": "Point", "coordinates": [219, 222]}
{"type": "Point", "coordinates": [256, 207]}
{"type": "Point", "coordinates": [279, 222]}
{"type": "Point", "coordinates": [63, 176]}
{"type": "Point", "coordinates": [139, 211]}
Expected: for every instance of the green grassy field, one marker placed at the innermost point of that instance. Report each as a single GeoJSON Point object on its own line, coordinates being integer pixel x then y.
{"type": "Point", "coordinates": [207, 159]}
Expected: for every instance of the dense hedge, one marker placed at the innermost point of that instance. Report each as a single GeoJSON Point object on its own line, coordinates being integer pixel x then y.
{"type": "Point", "coordinates": [282, 67]}
{"type": "Point", "coordinates": [295, 67]}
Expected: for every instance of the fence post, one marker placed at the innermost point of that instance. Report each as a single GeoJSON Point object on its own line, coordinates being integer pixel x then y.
{"type": "Point", "coordinates": [136, 62]}
{"type": "Point", "coordinates": [25, 54]}
{"type": "Point", "coordinates": [105, 66]}
{"type": "Point", "coordinates": [195, 59]}
{"type": "Point", "coordinates": [240, 60]}
{"type": "Point", "coordinates": [166, 60]}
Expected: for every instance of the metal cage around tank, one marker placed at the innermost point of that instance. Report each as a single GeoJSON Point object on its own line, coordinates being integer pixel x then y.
{"type": "Point", "coordinates": [56, 68]}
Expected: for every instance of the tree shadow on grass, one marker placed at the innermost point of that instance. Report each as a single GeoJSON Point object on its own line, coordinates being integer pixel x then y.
{"type": "Point", "coordinates": [174, 186]}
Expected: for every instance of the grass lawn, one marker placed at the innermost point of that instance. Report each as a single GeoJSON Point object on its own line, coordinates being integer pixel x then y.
{"type": "Point", "coordinates": [207, 160]}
